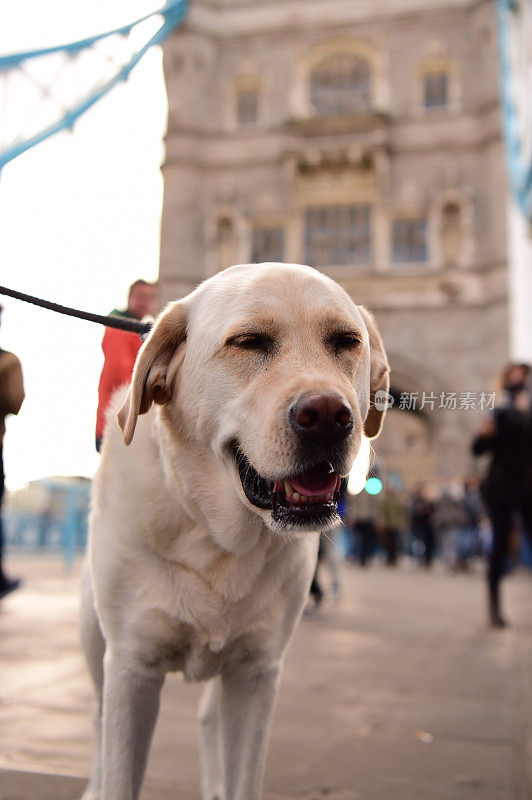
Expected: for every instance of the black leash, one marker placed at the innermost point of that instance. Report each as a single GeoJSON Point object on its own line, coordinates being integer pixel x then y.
{"type": "Point", "coordinates": [142, 328]}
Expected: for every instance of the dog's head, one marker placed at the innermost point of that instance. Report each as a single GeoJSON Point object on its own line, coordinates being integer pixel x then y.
{"type": "Point", "coordinates": [266, 375]}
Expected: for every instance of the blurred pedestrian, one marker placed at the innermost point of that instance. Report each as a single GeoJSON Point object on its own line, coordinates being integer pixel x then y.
{"type": "Point", "coordinates": [469, 537]}
{"type": "Point", "coordinates": [120, 349]}
{"type": "Point", "coordinates": [449, 519]}
{"type": "Point", "coordinates": [366, 512]}
{"type": "Point", "coordinates": [506, 488]}
{"type": "Point", "coordinates": [316, 591]}
{"type": "Point", "coordinates": [329, 553]}
{"type": "Point", "coordinates": [394, 517]}
{"type": "Point", "coordinates": [421, 525]}
{"type": "Point", "coordinates": [11, 397]}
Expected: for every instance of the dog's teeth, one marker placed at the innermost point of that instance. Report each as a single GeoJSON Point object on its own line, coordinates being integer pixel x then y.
{"type": "Point", "coordinates": [304, 500]}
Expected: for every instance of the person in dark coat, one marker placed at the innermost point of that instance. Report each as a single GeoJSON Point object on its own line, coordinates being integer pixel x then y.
{"type": "Point", "coordinates": [11, 397]}
{"type": "Point", "coordinates": [506, 488]}
{"type": "Point", "coordinates": [421, 525]}
{"type": "Point", "coordinates": [394, 520]}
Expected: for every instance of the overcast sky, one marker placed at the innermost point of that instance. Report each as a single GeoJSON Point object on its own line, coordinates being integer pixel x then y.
{"type": "Point", "coordinates": [79, 221]}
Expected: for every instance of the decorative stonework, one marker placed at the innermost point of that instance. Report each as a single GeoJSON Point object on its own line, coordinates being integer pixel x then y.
{"type": "Point", "coordinates": [452, 228]}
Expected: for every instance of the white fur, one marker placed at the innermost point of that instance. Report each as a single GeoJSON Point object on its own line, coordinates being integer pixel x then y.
{"type": "Point", "coordinates": [183, 573]}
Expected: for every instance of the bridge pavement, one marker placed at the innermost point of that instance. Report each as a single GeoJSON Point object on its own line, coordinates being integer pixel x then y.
{"type": "Point", "coordinates": [398, 691]}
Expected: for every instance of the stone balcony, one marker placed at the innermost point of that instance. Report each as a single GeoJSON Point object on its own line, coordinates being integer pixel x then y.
{"type": "Point", "coordinates": [361, 122]}
{"type": "Point", "coordinates": [416, 286]}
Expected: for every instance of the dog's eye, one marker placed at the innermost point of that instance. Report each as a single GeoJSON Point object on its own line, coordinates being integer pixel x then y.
{"type": "Point", "coordinates": [344, 341]}
{"type": "Point", "coordinates": [259, 342]}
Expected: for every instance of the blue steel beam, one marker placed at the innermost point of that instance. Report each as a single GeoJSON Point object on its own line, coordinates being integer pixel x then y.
{"type": "Point", "coordinates": [173, 13]}
{"type": "Point", "coordinates": [519, 168]}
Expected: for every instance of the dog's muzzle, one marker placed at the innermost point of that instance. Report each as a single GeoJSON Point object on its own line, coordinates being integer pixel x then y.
{"type": "Point", "coordinates": [308, 499]}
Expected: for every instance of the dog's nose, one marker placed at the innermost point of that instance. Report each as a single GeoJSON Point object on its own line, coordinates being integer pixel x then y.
{"type": "Point", "coordinates": [321, 416]}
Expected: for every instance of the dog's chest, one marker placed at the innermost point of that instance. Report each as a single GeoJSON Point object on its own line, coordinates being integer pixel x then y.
{"type": "Point", "coordinates": [192, 611]}
{"type": "Point", "coordinates": [197, 650]}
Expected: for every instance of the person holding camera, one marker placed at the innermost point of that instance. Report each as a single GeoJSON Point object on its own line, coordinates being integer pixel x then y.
{"type": "Point", "coordinates": [506, 488]}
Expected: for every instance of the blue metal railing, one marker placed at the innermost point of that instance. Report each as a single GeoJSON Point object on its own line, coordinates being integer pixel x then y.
{"type": "Point", "coordinates": [49, 516]}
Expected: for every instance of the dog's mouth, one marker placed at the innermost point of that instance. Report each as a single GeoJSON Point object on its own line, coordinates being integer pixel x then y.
{"type": "Point", "coordinates": [305, 499]}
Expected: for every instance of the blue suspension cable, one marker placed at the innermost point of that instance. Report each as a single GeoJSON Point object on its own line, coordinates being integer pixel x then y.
{"type": "Point", "coordinates": [519, 169]}
{"type": "Point", "coordinates": [173, 13]}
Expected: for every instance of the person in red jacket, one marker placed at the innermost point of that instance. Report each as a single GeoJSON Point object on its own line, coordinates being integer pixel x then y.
{"type": "Point", "coordinates": [120, 349]}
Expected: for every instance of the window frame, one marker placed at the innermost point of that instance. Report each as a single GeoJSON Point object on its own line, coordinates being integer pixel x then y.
{"type": "Point", "coordinates": [241, 91]}
{"type": "Point", "coordinates": [345, 93]}
{"type": "Point", "coordinates": [327, 245]}
{"type": "Point", "coordinates": [268, 231]}
{"type": "Point", "coordinates": [432, 74]}
{"type": "Point", "coordinates": [400, 252]}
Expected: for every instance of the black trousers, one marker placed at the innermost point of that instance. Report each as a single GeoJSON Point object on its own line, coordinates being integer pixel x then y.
{"type": "Point", "coordinates": [390, 541]}
{"type": "Point", "coordinates": [501, 516]}
{"type": "Point", "coordinates": [365, 530]}
{"type": "Point", "coordinates": [425, 534]}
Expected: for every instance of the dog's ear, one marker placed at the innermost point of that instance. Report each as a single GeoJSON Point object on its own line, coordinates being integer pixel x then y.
{"type": "Point", "coordinates": [379, 377]}
{"type": "Point", "coordinates": [151, 381]}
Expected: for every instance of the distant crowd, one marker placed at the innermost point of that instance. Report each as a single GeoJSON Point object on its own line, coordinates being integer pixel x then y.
{"type": "Point", "coordinates": [420, 524]}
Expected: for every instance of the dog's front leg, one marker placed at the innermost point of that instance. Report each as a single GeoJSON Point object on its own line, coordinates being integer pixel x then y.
{"type": "Point", "coordinates": [247, 705]}
{"type": "Point", "coordinates": [211, 742]}
{"type": "Point", "coordinates": [130, 708]}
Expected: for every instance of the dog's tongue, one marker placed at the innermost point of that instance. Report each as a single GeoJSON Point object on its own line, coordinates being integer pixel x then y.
{"type": "Point", "coordinates": [315, 482]}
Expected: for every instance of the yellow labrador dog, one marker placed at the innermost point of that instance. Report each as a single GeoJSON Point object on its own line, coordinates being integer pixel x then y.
{"type": "Point", "coordinates": [246, 408]}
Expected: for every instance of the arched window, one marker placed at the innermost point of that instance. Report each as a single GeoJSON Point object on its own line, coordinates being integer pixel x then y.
{"type": "Point", "coordinates": [227, 242]}
{"type": "Point", "coordinates": [436, 89]}
{"type": "Point", "coordinates": [451, 233]}
{"type": "Point", "coordinates": [340, 84]}
{"type": "Point", "coordinates": [247, 106]}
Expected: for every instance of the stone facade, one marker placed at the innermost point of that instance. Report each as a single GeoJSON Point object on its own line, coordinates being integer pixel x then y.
{"type": "Point", "coordinates": [293, 124]}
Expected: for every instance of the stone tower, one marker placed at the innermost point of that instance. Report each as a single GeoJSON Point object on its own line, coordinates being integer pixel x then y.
{"type": "Point", "coordinates": [361, 137]}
